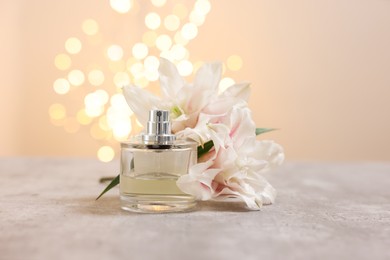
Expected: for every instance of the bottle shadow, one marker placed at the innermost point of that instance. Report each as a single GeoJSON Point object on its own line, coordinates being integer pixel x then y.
{"type": "Point", "coordinates": [223, 206]}
{"type": "Point", "coordinates": [110, 205]}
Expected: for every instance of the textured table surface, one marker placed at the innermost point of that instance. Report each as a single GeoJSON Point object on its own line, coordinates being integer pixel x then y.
{"type": "Point", "coordinates": [323, 211]}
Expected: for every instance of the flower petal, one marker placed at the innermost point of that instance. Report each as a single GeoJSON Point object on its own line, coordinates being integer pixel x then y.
{"type": "Point", "coordinates": [219, 133]}
{"type": "Point", "coordinates": [170, 80]}
{"type": "Point", "coordinates": [266, 151]}
{"type": "Point", "coordinates": [241, 124]}
{"type": "Point", "coordinates": [240, 91]}
{"type": "Point", "coordinates": [208, 76]}
{"type": "Point", "coordinates": [198, 182]}
{"type": "Point", "coordinates": [268, 194]}
{"type": "Point", "coordinates": [263, 189]}
{"type": "Point", "coordinates": [225, 159]}
{"type": "Point", "coordinates": [251, 201]}
{"type": "Point", "coordinates": [220, 106]}
{"type": "Point", "coordinates": [205, 130]}
{"type": "Point", "coordinates": [205, 87]}
{"type": "Point", "coordinates": [140, 102]}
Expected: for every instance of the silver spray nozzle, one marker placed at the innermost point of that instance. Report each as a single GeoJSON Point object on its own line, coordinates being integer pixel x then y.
{"type": "Point", "coordinates": [158, 129]}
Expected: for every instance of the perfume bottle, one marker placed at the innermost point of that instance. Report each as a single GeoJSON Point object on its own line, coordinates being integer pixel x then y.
{"type": "Point", "coordinates": [151, 163]}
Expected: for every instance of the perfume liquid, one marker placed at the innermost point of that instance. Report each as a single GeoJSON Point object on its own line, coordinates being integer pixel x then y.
{"type": "Point", "coordinates": [150, 167]}
{"type": "Point", "coordinates": [152, 186]}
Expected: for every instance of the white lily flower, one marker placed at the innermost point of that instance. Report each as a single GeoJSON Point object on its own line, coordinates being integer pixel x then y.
{"type": "Point", "coordinates": [237, 165]}
{"type": "Point", "coordinates": [184, 101]}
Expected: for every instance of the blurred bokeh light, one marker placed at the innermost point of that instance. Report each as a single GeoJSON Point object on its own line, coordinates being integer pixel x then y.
{"type": "Point", "coordinates": [104, 110]}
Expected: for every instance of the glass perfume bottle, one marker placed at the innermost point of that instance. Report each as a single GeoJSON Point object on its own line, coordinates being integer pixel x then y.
{"type": "Point", "coordinates": [151, 163]}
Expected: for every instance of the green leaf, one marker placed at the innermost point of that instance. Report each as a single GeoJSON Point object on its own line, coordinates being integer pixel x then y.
{"type": "Point", "coordinates": [106, 179]}
{"type": "Point", "coordinates": [206, 147]}
{"type": "Point", "coordinates": [260, 131]}
{"type": "Point", "coordinates": [112, 184]}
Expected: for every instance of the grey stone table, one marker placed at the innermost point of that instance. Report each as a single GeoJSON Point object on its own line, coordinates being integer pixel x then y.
{"type": "Point", "coordinates": [323, 211]}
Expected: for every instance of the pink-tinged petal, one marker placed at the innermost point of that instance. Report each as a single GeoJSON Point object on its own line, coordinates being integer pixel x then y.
{"type": "Point", "coordinates": [225, 159]}
{"type": "Point", "coordinates": [235, 96]}
{"type": "Point", "coordinates": [208, 76]}
{"type": "Point", "coordinates": [190, 185]}
{"type": "Point", "coordinates": [198, 182]}
{"type": "Point", "coordinates": [205, 119]}
{"type": "Point", "coordinates": [198, 99]}
{"type": "Point", "coordinates": [170, 80]}
{"type": "Point", "coordinates": [219, 133]}
{"type": "Point", "coordinates": [140, 102]}
{"type": "Point", "coordinates": [205, 130]}
{"type": "Point", "coordinates": [241, 125]}
{"type": "Point", "coordinates": [220, 106]}
{"type": "Point", "coordinates": [205, 87]}
{"type": "Point", "coordinates": [240, 91]}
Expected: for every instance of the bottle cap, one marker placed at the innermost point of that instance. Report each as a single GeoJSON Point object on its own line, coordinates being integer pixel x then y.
{"type": "Point", "coordinates": [158, 129]}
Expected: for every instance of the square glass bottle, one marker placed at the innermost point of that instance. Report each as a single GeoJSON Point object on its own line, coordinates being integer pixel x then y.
{"type": "Point", "coordinates": [150, 166]}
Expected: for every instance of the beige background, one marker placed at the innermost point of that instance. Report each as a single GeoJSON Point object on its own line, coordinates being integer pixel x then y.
{"type": "Point", "coordinates": [320, 71]}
